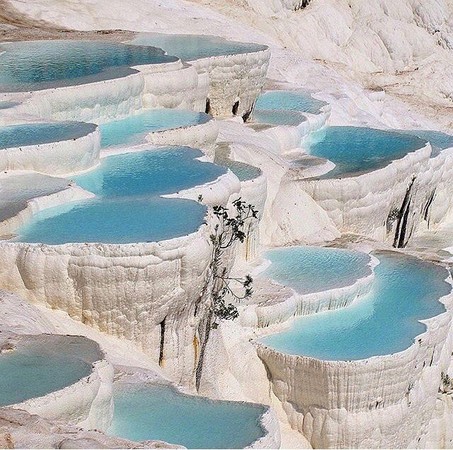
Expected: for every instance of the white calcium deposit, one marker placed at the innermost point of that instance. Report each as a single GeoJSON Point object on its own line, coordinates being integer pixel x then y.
{"type": "Point", "coordinates": [234, 79]}
{"type": "Point", "coordinates": [54, 158]}
{"type": "Point", "coordinates": [202, 136]}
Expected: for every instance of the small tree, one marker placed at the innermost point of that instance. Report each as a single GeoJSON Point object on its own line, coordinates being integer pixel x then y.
{"type": "Point", "coordinates": [219, 285]}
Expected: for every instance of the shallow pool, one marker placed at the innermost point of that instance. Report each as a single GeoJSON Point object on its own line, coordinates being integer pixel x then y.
{"type": "Point", "coordinates": [39, 366]}
{"type": "Point", "coordinates": [128, 207]}
{"type": "Point", "coordinates": [25, 134]}
{"type": "Point", "coordinates": [114, 221]}
{"type": "Point", "coordinates": [315, 269]}
{"type": "Point", "coordinates": [355, 149]}
{"type": "Point", "coordinates": [385, 321]}
{"type": "Point", "coordinates": [278, 117]}
{"type": "Point", "coordinates": [133, 129]}
{"type": "Point", "coordinates": [35, 65]}
{"type": "Point", "coordinates": [290, 102]}
{"type": "Point", "coordinates": [243, 171]}
{"type": "Point", "coordinates": [153, 172]}
{"type": "Point", "coordinates": [190, 46]}
{"type": "Point", "coordinates": [7, 105]}
{"type": "Point", "coordinates": [160, 412]}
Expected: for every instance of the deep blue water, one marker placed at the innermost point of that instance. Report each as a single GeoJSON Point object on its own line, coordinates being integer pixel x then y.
{"type": "Point", "coordinates": [356, 149]}
{"type": "Point", "coordinates": [385, 321]}
{"type": "Point", "coordinates": [35, 65]}
{"type": "Point", "coordinates": [133, 129]}
{"type": "Point", "coordinates": [42, 133]}
{"type": "Point", "coordinates": [160, 412]}
{"type": "Point", "coordinates": [190, 47]}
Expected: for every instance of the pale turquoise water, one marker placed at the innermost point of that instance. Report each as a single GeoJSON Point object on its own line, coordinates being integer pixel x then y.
{"type": "Point", "coordinates": [356, 149]}
{"type": "Point", "coordinates": [7, 105]}
{"type": "Point", "coordinates": [115, 221]}
{"type": "Point", "coordinates": [39, 367]}
{"type": "Point", "coordinates": [153, 172]}
{"type": "Point", "coordinates": [190, 46]}
{"type": "Point", "coordinates": [159, 412]}
{"type": "Point", "coordinates": [278, 117]}
{"type": "Point", "coordinates": [298, 101]}
{"type": "Point", "coordinates": [315, 269]}
{"type": "Point", "coordinates": [42, 133]}
{"type": "Point", "coordinates": [386, 321]}
{"type": "Point", "coordinates": [35, 65]}
{"type": "Point", "coordinates": [127, 207]}
{"type": "Point", "coordinates": [133, 129]}
{"type": "Point", "coordinates": [438, 140]}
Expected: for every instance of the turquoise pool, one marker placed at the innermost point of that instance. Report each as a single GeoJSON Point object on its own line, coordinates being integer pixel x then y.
{"type": "Point", "coordinates": [145, 412]}
{"type": "Point", "coordinates": [25, 134]}
{"type": "Point", "coordinates": [190, 46]}
{"type": "Point", "coordinates": [438, 140]}
{"type": "Point", "coordinates": [40, 366]}
{"type": "Point", "coordinates": [145, 173]}
{"type": "Point", "coordinates": [7, 105]}
{"type": "Point", "coordinates": [35, 65]}
{"type": "Point", "coordinates": [355, 149]}
{"type": "Point", "coordinates": [133, 129]}
{"type": "Point", "coordinates": [315, 269]}
{"type": "Point", "coordinates": [385, 321]}
{"type": "Point", "coordinates": [289, 102]}
{"type": "Point", "coordinates": [114, 221]}
{"type": "Point", "coordinates": [128, 207]}
{"type": "Point", "coordinates": [278, 117]}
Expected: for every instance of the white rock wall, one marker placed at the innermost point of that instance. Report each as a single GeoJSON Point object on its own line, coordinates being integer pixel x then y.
{"type": "Point", "coordinates": [174, 85]}
{"type": "Point", "coordinates": [94, 102]}
{"type": "Point", "coordinates": [234, 78]}
{"type": "Point", "coordinates": [54, 158]}
{"type": "Point", "coordinates": [201, 136]}
{"type": "Point", "coordinates": [362, 204]}
{"type": "Point", "coordinates": [124, 290]}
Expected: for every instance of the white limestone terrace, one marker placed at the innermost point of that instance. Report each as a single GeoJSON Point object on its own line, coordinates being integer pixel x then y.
{"type": "Point", "coordinates": [297, 281]}
{"type": "Point", "coordinates": [57, 377]}
{"type": "Point", "coordinates": [236, 70]}
{"type": "Point", "coordinates": [44, 326]}
{"type": "Point", "coordinates": [364, 203]}
{"type": "Point", "coordinates": [30, 430]}
{"type": "Point", "coordinates": [354, 400]}
{"type": "Point", "coordinates": [55, 148]}
{"type": "Point", "coordinates": [95, 281]}
{"type": "Point", "coordinates": [135, 74]}
{"type": "Point", "coordinates": [118, 80]}
{"type": "Point", "coordinates": [350, 103]}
